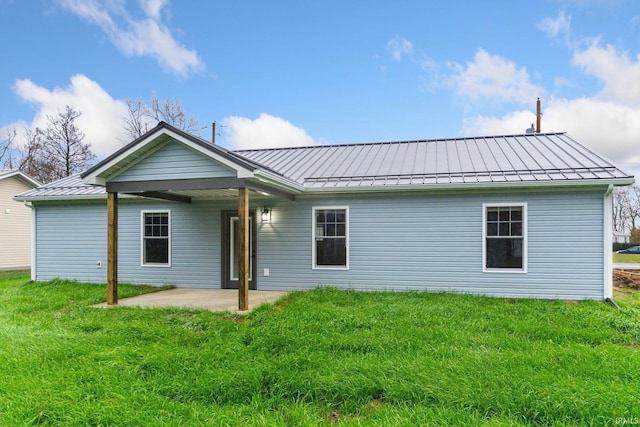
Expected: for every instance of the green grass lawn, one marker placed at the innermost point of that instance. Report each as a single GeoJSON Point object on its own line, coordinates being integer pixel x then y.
{"type": "Point", "coordinates": [325, 357]}
{"type": "Point", "coordinates": [626, 258]}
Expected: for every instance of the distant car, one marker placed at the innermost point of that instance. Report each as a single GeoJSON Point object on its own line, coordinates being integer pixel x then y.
{"type": "Point", "coordinates": [631, 250]}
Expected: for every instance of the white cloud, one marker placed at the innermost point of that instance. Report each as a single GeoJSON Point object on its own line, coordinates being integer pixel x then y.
{"type": "Point", "coordinates": [607, 122]}
{"type": "Point", "coordinates": [266, 131]}
{"type": "Point", "coordinates": [399, 47]}
{"type": "Point", "coordinates": [153, 7]}
{"type": "Point", "coordinates": [492, 77]}
{"type": "Point", "coordinates": [619, 73]}
{"type": "Point", "coordinates": [101, 119]}
{"type": "Point", "coordinates": [556, 27]}
{"type": "Point", "coordinates": [610, 129]}
{"type": "Point", "coordinates": [138, 37]}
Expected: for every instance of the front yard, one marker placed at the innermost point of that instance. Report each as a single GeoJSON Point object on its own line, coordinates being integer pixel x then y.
{"type": "Point", "coordinates": [323, 357]}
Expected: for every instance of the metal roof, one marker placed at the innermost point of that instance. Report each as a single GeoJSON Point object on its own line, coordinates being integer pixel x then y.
{"type": "Point", "coordinates": [531, 159]}
{"type": "Point", "coordinates": [71, 186]}
{"type": "Point", "coordinates": [492, 159]}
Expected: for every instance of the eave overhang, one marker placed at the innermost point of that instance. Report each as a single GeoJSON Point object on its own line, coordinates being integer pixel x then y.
{"type": "Point", "coordinates": [22, 177]}
{"type": "Point", "coordinates": [271, 190]}
{"type": "Point", "coordinates": [248, 174]}
{"type": "Point", "coordinates": [129, 155]}
{"type": "Point", "coordinates": [470, 186]}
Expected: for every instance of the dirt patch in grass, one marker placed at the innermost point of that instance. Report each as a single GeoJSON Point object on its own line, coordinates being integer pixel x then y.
{"type": "Point", "coordinates": [626, 279]}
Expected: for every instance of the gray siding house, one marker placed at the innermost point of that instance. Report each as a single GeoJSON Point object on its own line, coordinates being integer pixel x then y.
{"type": "Point", "coordinates": [510, 216]}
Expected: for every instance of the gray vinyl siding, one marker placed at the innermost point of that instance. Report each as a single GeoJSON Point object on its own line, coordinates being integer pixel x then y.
{"type": "Point", "coordinates": [434, 242]}
{"type": "Point", "coordinates": [174, 161]}
{"type": "Point", "coordinates": [427, 241]}
{"type": "Point", "coordinates": [72, 238]}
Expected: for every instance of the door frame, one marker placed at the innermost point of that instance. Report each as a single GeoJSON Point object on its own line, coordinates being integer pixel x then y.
{"type": "Point", "coordinates": [226, 281]}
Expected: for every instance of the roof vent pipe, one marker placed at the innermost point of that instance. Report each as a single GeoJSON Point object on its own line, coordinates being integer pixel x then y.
{"type": "Point", "coordinates": [538, 116]}
{"type": "Point", "coordinates": [213, 132]}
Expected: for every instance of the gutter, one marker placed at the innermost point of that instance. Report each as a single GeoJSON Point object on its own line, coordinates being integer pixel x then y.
{"type": "Point", "coordinates": [469, 185]}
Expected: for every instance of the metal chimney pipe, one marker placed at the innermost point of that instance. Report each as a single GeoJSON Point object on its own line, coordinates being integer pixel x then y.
{"type": "Point", "coordinates": [213, 132]}
{"type": "Point", "coordinates": [538, 116]}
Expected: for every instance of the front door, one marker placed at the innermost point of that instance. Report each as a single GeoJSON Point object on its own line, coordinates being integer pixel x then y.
{"type": "Point", "coordinates": [230, 248]}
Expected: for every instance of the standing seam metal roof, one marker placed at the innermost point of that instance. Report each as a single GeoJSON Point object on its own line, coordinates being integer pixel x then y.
{"type": "Point", "coordinates": [475, 160]}
{"type": "Point", "coordinates": [511, 158]}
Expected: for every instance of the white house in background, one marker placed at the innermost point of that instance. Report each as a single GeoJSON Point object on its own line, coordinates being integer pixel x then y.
{"type": "Point", "coordinates": [621, 237]}
{"type": "Point", "coordinates": [15, 221]}
{"type": "Point", "coordinates": [512, 216]}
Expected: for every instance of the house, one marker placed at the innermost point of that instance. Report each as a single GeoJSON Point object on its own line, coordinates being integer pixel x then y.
{"type": "Point", "coordinates": [15, 221]}
{"type": "Point", "coordinates": [511, 216]}
{"type": "Point", "coordinates": [621, 237]}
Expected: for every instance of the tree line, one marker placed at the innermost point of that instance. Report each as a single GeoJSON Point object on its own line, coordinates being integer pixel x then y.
{"type": "Point", "coordinates": [626, 211]}
{"type": "Point", "coordinates": [59, 149]}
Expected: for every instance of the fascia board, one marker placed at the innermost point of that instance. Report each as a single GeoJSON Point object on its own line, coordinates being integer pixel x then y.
{"type": "Point", "coordinates": [72, 198]}
{"type": "Point", "coordinates": [21, 176]}
{"type": "Point", "coordinates": [59, 198]}
{"type": "Point", "coordinates": [96, 177]}
{"type": "Point", "coordinates": [469, 186]}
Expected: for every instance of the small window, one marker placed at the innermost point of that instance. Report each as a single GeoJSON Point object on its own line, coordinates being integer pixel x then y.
{"type": "Point", "coordinates": [156, 241]}
{"type": "Point", "coordinates": [331, 237]}
{"type": "Point", "coordinates": [505, 244]}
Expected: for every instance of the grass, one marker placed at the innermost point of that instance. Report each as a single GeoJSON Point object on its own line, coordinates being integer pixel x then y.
{"type": "Point", "coordinates": [325, 357]}
{"type": "Point", "coordinates": [626, 258]}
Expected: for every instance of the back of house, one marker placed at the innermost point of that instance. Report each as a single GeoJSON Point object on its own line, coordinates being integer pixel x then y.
{"type": "Point", "coordinates": [512, 216]}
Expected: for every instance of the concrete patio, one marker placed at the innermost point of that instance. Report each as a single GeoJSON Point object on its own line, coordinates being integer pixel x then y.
{"type": "Point", "coordinates": [208, 299]}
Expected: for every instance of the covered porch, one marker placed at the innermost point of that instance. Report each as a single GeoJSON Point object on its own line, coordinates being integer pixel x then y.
{"type": "Point", "coordinates": [171, 165]}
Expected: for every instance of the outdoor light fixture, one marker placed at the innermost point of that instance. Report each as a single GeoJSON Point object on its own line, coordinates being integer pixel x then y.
{"type": "Point", "coordinates": [266, 215]}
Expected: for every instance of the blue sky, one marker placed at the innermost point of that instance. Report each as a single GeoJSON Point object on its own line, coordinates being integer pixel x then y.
{"type": "Point", "coordinates": [279, 73]}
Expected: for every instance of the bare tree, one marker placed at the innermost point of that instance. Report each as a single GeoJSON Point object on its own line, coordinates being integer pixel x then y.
{"type": "Point", "coordinates": [62, 149]}
{"type": "Point", "coordinates": [621, 209]}
{"type": "Point", "coordinates": [136, 123]}
{"type": "Point", "coordinates": [141, 117]}
{"type": "Point", "coordinates": [626, 210]}
{"type": "Point", "coordinates": [6, 148]}
{"type": "Point", "coordinates": [634, 207]}
{"type": "Point", "coordinates": [30, 159]}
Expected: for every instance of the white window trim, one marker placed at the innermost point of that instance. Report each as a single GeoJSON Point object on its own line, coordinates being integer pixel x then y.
{"type": "Point", "coordinates": [525, 250]}
{"type": "Point", "coordinates": [314, 266]}
{"type": "Point", "coordinates": [142, 263]}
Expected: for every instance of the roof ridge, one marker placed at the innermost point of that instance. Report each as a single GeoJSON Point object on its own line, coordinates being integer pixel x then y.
{"type": "Point", "coordinates": [350, 144]}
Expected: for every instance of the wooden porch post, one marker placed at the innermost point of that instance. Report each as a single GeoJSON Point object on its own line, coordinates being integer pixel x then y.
{"type": "Point", "coordinates": [112, 248]}
{"type": "Point", "coordinates": [243, 258]}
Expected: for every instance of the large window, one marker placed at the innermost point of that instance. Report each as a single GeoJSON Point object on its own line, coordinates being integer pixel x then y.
{"type": "Point", "coordinates": [331, 237]}
{"type": "Point", "coordinates": [156, 238]}
{"type": "Point", "coordinates": [505, 237]}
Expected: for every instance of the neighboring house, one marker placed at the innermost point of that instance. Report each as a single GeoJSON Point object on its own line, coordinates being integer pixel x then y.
{"type": "Point", "coordinates": [15, 221]}
{"type": "Point", "coordinates": [511, 216]}
{"type": "Point", "coordinates": [620, 237]}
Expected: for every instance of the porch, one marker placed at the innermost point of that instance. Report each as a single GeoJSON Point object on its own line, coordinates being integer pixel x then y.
{"type": "Point", "coordinates": [207, 299]}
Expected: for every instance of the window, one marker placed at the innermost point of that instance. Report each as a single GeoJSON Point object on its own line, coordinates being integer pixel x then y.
{"type": "Point", "coordinates": [505, 237]}
{"type": "Point", "coordinates": [331, 237]}
{"type": "Point", "coordinates": [156, 238]}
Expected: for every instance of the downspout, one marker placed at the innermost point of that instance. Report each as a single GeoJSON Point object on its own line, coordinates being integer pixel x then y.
{"type": "Point", "coordinates": [608, 242]}
{"type": "Point", "coordinates": [33, 238]}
